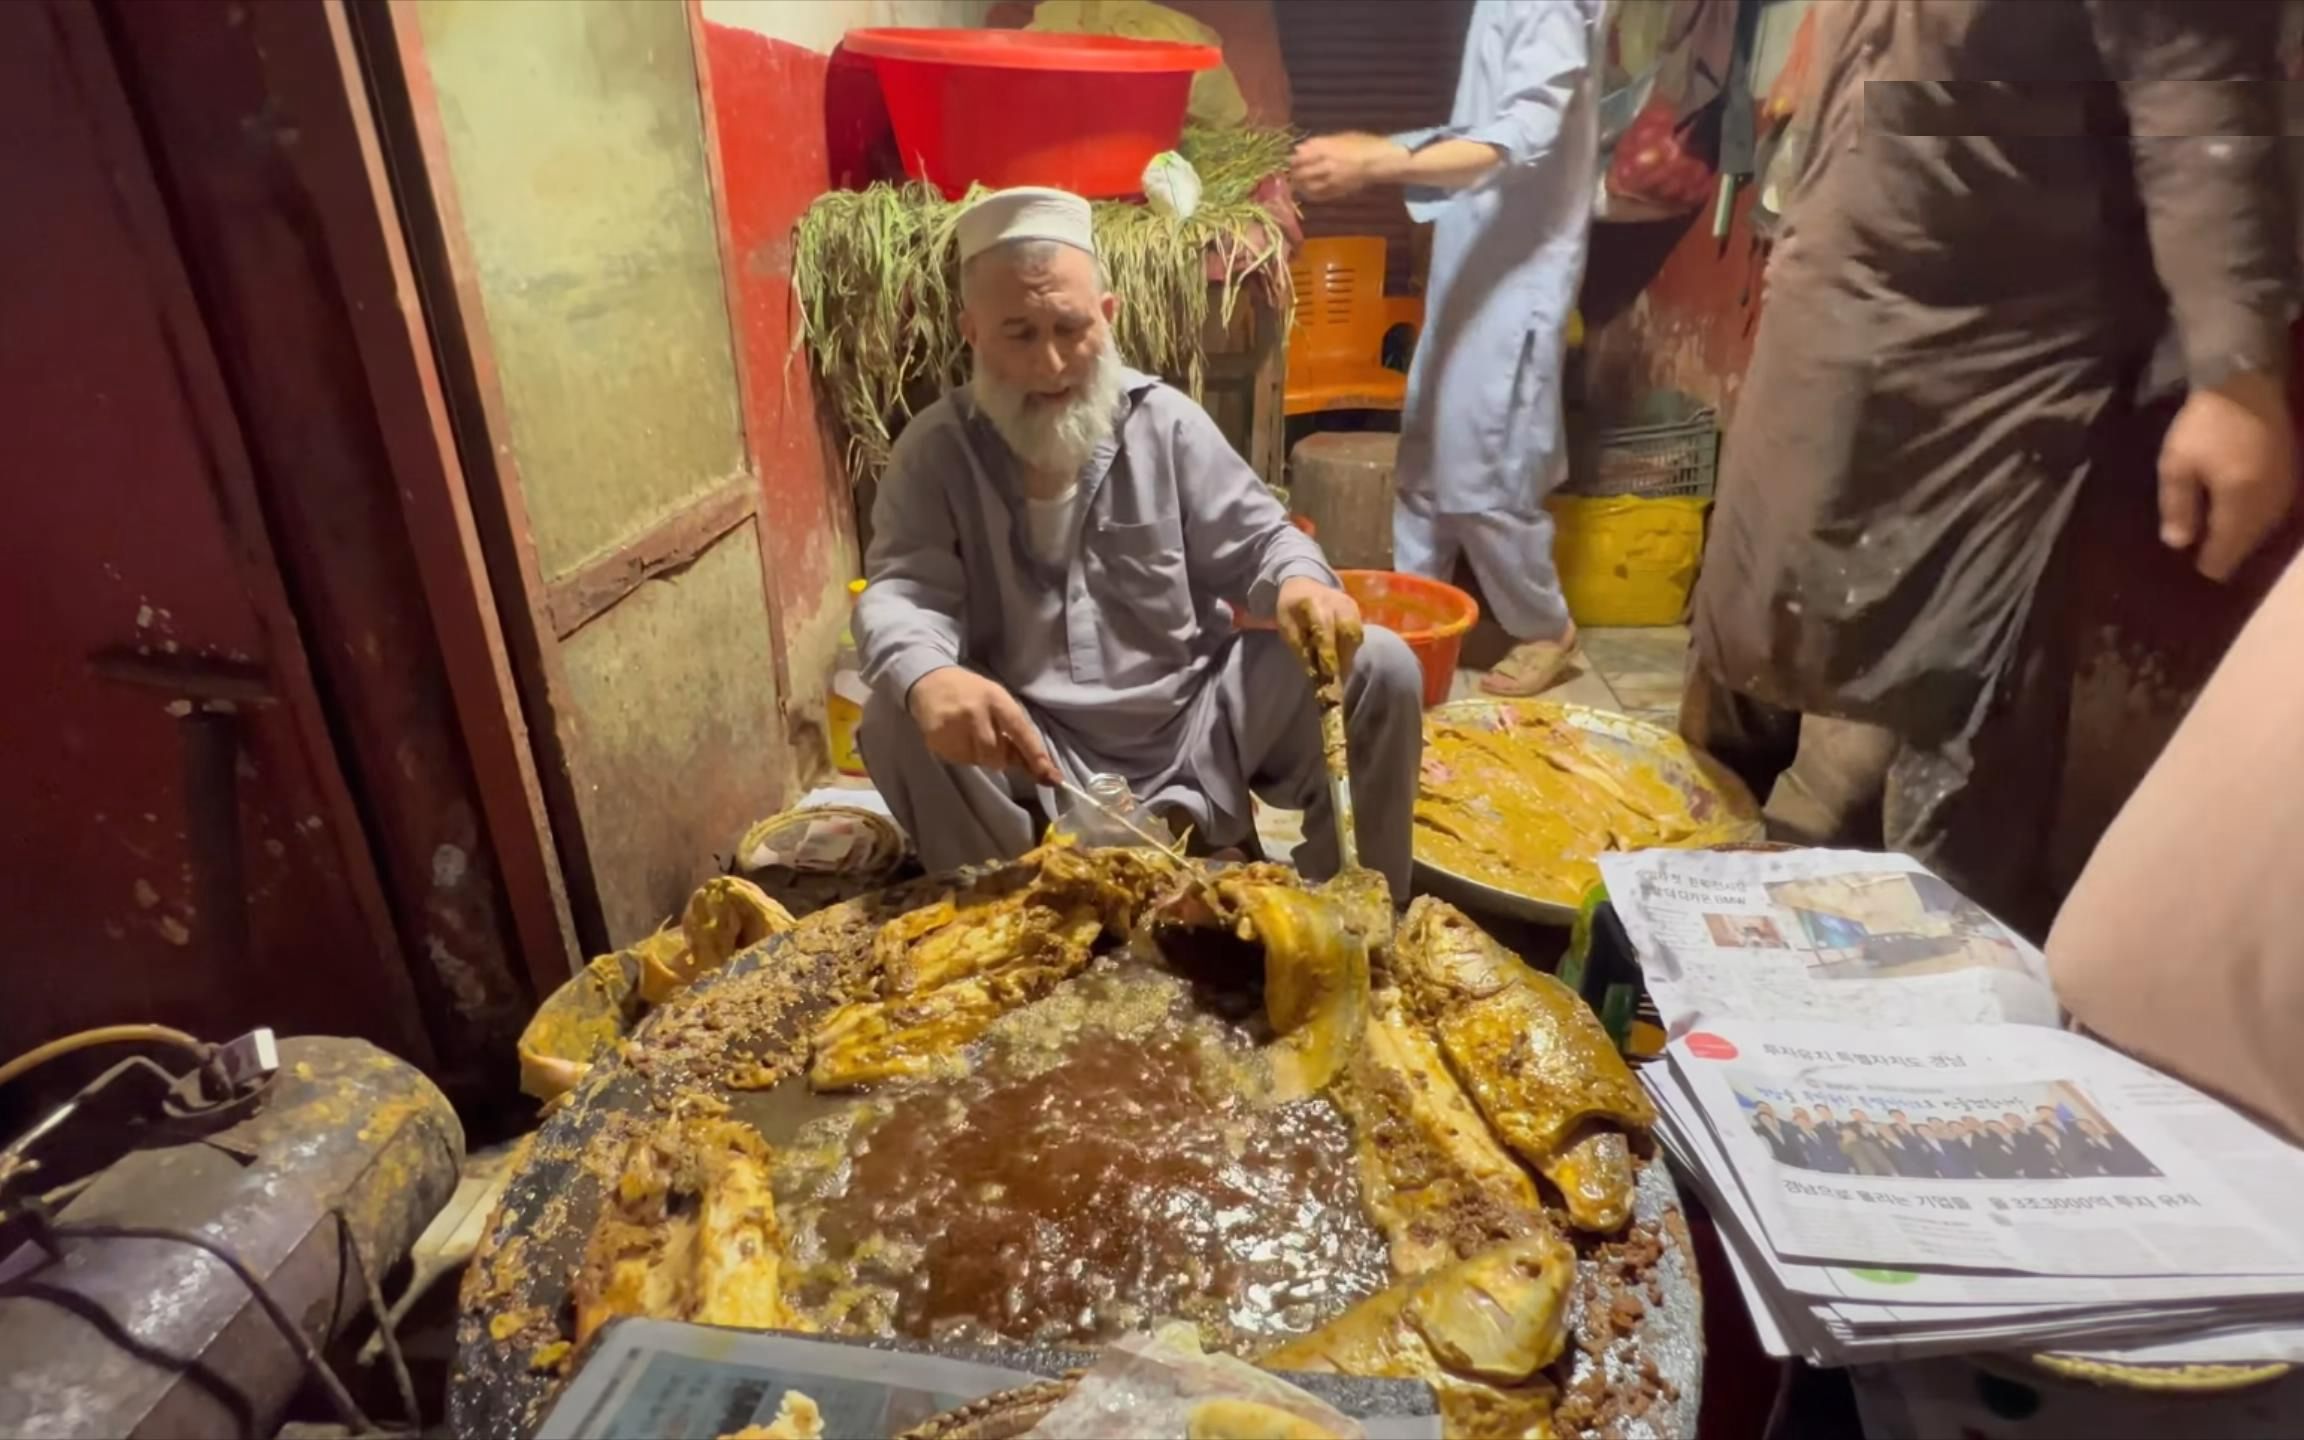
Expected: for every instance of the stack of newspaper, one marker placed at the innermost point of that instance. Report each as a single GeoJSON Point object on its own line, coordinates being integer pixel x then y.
{"type": "Point", "coordinates": [1905, 1156]}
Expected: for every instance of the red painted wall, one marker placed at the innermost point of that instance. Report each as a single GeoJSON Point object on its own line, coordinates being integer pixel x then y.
{"type": "Point", "coordinates": [1667, 308]}
{"type": "Point", "coordinates": [767, 99]}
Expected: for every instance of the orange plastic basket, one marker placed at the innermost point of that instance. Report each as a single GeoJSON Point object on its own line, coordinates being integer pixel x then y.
{"type": "Point", "coordinates": [1430, 616]}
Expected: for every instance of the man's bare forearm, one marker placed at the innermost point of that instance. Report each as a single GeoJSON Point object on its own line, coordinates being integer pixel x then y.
{"type": "Point", "coordinates": [1441, 165]}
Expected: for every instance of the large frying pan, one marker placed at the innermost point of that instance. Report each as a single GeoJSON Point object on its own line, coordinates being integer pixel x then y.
{"type": "Point", "coordinates": [759, 1008]}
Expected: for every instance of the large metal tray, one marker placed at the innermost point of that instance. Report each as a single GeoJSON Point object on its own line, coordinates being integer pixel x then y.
{"type": "Point", "coordinates": [535, 1239]}
{"type": "Point", "coordinates": [1704, 780]}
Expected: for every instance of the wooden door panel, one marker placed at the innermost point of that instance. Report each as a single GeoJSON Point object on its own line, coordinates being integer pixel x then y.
{"type": "Point", "coordinates": [553, 156]}
{"type": "Point", "coordinates": [575, 145]}
{"type": "Point", "coordinates": [675, 687]}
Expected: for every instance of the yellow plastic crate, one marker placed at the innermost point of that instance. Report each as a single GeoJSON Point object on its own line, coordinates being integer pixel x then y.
{"type": "Point", "coordinates": [1625, 560]}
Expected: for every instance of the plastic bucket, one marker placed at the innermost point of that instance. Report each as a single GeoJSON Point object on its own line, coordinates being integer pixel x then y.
{"type": "Point", "coordinates": [1083, 113]}
{"type": "Point", "coordinates": [1431, 616]}
{"type": "Point", "coordinates": [1625, 560]}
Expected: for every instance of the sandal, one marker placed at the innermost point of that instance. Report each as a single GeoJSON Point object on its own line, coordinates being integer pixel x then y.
{"type": "Point", "coordinates": [1533, 667]}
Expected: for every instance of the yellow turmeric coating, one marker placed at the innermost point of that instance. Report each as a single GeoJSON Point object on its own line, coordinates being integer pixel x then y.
{"type": "Point", "coordinates": [1528, 802]}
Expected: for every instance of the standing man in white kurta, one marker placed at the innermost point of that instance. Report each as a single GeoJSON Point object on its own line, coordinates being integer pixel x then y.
{"type": "Point", "coordinates": [1508, 186]}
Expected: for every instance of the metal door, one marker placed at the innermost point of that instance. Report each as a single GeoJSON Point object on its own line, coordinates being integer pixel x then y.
{"type": "Point", "coordinates": [181, 844]}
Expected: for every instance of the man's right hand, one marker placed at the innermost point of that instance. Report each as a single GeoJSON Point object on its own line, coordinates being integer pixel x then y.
{"type": "Point", "coordinates": [1331, 167]}
{"type": "Point", "coordinates": [969, 720]}
{"type": "Point", "coordinates": [2229, 453]}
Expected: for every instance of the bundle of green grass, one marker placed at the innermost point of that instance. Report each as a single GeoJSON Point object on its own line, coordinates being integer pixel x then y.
{"type": "Point", "coordinates": [878, 284]}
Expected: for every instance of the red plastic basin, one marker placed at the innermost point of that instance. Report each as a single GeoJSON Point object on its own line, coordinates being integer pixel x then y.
{"type": "Point", "coordinates": [1083, 113]}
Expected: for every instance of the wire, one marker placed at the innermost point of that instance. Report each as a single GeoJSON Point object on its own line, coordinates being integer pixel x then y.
{"type": "Point", "coordinates": [347, 1409]}
{"type": "Point", "coordinates": [384, 1321]}
{"type": "Point", "coordinates": [103, 1035]}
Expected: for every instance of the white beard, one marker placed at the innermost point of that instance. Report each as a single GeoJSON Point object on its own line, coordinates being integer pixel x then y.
{"type": "Point", "coordinates": [1051, 439]}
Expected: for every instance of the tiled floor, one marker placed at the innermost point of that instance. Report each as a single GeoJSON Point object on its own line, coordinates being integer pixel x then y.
{"type": "Point", "coordinates": [1641, 670]}
{"type": "Point", "coordinates": [1636, 671]}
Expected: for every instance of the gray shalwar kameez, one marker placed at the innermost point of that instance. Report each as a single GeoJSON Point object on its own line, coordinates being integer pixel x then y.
{"type": "Point", "coordinates": [1127, 660]}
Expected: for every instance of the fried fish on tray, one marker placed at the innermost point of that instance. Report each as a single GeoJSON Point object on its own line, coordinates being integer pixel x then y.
{"type": "Point", "coordinates": [925, 1037]}
{"type": "Point", "coordinates": [725, 915]}
{"type": "Point", "coordinates": [1433, 1175]}
{"type": "Point", "coordinates": [1531, 1054]}
{"type": "Point", "coordinates": [1476, 1331]}
{"type": "Point", "coordinates": [691, 1233]}
{"type": "Point", "coordinates": [947, 970]}
{"type": "Point", "coordinates": [1315, 985]}
{"type": "Point", "coordinates": [1526, 801]}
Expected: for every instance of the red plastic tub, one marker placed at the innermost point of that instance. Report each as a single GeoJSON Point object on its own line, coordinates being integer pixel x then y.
{"type": "Point", "coordinates": [1431, 616]}
{"type": "Point", "coordinates": [1083, 113]}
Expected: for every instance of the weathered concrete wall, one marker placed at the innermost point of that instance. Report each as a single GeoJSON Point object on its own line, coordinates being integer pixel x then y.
{"type": "Point", "coordinates": [782, 143]}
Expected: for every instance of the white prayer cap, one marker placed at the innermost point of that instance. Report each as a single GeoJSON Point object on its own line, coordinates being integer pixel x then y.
{"type": "Point", "coordinates": [1029, 212]}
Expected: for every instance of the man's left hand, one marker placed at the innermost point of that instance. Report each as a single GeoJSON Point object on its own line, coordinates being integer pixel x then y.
{"type": "Point", "coordinates": [1321, 624]}
{"type": "Point", "coordinates": [1331, 167]}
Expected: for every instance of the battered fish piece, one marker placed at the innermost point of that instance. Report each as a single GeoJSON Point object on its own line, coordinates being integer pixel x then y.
{"type": "Point", "coordinates": [725, 915]}
{"type": "Point", "coordinates": [947, 970]}
{"type": "Point", "coordinates": [1316, 970]}
{"type": "Point", "coordinates": [1532, 1056]}
{"type": "Point", "coordinates": [690, 1233]}
{"type": "Point", "coordinates": [1595, 1176]}
{"type": "Point", "coordinates": [919, 1037]}
{"type": "Point", "coordinates": [1477, 1332]}
{"type": "Point", "coordinates": [1433, 1176]}
{"type": "Point", "coordinates": [1315, 984]}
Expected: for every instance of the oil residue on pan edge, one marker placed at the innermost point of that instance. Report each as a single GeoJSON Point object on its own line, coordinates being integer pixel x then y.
{"type": "Point", "coordinates": [1102, 1169]}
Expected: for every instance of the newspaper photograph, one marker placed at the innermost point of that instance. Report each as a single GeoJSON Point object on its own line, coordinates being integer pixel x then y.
{"type": "Point", "coordinates": [2061, 1135]}
{"type": "Point", "coordinates": [1700, 1156]}
{"type": "Point", "coordinates": [1847, 936]}
{"type": "Point", "coordinates": [1989, 1147]}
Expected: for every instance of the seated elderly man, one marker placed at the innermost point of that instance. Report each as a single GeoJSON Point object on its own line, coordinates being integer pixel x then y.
{"type": "Point", "coordinates": [1054, 548]}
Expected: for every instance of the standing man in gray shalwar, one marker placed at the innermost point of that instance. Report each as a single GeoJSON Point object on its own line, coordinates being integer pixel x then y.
{"type": "Point", "coordinates": [1057, 547]}
{"type": "Point", "coordinates": [1508, 186]}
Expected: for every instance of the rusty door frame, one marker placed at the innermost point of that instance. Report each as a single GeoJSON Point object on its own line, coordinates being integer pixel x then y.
{"type": "Point", "coordinates": [407, 104]}
{"type": "Point", "coordinates": [231, 479]}
{"type": "Point", "coordinates": [312, 61]}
